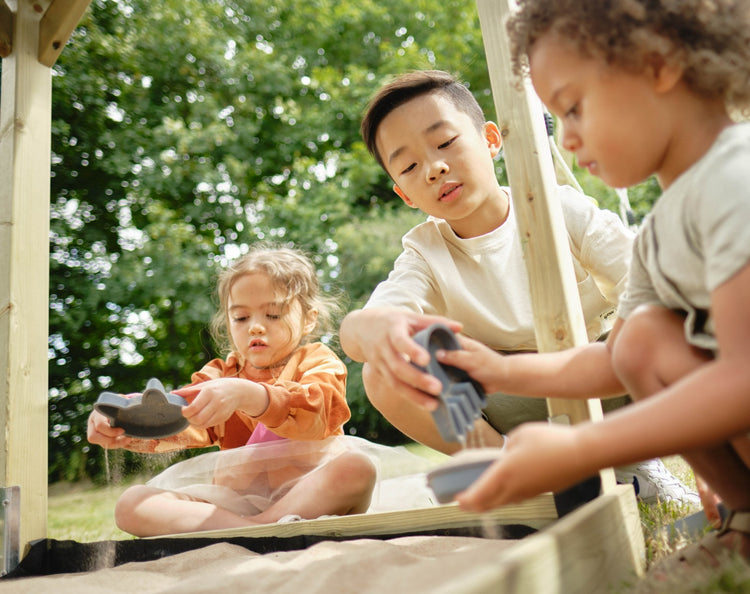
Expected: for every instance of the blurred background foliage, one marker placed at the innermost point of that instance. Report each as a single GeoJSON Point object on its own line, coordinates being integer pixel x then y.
{"type": "Point", "coordinates": [184, 131]}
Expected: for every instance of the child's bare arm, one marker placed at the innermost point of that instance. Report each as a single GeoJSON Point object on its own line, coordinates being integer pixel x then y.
{"type": "Point", "coordinates": [706, 407]}
{"type": "Point", "coordinates": [219, 399]}
{"type": "Point", "coordinates": [580, 372]}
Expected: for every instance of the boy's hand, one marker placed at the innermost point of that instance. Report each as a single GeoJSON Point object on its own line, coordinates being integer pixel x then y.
{"type": "Point", "coordinates": [219, 399]}
{"type": "Point", "coordinates": [100, 432]}
{"type": "Point", "coordinates": [538, 457]}
{"type": "Point", "coordinates": [385, 343]}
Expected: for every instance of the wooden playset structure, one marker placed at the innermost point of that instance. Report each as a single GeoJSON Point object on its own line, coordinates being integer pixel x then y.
{"type": "Point", "coordinates": [594, 546]}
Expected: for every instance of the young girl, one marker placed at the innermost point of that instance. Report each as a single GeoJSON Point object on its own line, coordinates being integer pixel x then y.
{"type": "Point", "coordinates": [646, 88]}
{"type": "Point", "coordinates": [278, 392]}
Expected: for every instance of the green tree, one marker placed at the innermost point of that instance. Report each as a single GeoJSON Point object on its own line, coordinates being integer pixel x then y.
{"type": "Point", "coordinates": [182, 132]}
{"type": "Point", "coordinates": [185, 130]}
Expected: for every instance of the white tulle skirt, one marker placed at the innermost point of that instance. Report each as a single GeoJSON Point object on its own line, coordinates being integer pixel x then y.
{"type": "Point", "coordinates": [247, 480]}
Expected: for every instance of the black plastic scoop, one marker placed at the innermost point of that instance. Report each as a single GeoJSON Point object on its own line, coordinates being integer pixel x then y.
{"type": "Point", "coordinates": [151, 415]}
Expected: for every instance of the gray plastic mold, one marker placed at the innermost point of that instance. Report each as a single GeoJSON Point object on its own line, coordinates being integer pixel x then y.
{"type": "Point", "coordinates": [462, 399]}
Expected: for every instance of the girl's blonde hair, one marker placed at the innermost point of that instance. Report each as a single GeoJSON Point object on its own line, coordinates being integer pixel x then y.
{"type": "Point", "coordinates": [709, 39]}
{"type": "Point", "coordinates": [292, 273]}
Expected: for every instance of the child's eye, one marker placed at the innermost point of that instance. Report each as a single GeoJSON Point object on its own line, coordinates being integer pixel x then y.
{"type": "Point", "coordinates": [409, 168]}
{"type": "Point", "coordinates": [447, 143]}
{"type": "Point", "coordinates": [573, 111]}
{"type": "Point", "coordinates": [273, 316]}
{"type": "Point", "coordinates": [239, 319]}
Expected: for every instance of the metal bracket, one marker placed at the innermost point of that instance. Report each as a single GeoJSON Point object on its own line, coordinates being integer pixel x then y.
{"type": "Point", "coordinates": [10, 527]}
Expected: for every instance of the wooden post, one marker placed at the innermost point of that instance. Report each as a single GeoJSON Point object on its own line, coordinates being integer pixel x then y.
{"type": "Point", "coordinates": [558, 317]}
{"type": "Point", "coordinates": [59, 21]}
{"type": "Point", "coordinates": [25, 128]}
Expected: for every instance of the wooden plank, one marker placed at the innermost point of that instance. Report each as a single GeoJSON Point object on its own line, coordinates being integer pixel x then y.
{"type": "Point", "coordinates": [57, 25]}
{"type": "Point", "coordinates": [6, 30]}
{"type": "Point", "coordinates": [558, 316]}
{"type": "Point", "coordinates": [593, 549]}
{"type": "Point", "coordinates": [536, 513]}
{"type": "Point", "coordinates": [597, 548]}
{"type": "Point", "coordinates": [25, 128]}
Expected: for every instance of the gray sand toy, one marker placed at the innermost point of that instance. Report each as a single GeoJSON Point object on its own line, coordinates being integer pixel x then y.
{"type": "Point", "coordinates": [454, 476]}
{"type": "Point", "coordinates": [151, 415]}
{"type": "Point", "coordinates": [462, 399]}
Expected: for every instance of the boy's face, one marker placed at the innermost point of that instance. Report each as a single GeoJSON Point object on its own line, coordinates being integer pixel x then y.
{"type": "Point", "coordinates": [614, 121]}
{"type": "Point", "coordinates": [440, 162]}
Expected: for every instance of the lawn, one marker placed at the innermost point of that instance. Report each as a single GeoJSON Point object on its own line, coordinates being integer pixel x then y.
{"type": "Point", "coordinates": [84, 512]}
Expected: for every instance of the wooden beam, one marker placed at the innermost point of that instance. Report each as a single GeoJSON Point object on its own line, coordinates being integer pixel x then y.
{"type": "Point", "coordinates": [558, 316]}
{"type": "Point", "coordinates": [57, 25]}
{"type": "Point", "coordinates": [596, 548]}
{"type": "Point", "coordinates": [536, 513]}
{"type": "Point", "coordinates": [25, 128]}
{"type": "Point", "coordinates": [6, 30]}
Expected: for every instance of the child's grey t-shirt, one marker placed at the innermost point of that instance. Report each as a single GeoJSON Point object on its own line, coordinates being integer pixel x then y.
{"type": "Point", "coordinates": [696, 237]}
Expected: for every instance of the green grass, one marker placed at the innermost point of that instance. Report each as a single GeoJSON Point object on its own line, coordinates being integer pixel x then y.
{"type": "Point", "coordinates": [84, 512]}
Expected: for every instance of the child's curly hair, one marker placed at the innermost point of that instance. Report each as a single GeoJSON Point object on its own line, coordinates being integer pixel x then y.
{"type": "Point", "coordinates": [291, 272]}
{"type": "Point", "coordinates": [710, 39]}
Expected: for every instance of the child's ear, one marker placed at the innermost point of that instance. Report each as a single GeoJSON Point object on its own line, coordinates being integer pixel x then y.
{"type": "Point", "coordinates": [311, 320]}
{"type": "Point", "coordinates": [403, 196]}
{"type": "Point", "coordinates": [666, 72]}
{"type": "Point", "coordinates": [493, 137]}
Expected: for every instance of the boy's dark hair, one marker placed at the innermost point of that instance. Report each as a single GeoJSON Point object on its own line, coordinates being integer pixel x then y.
{"type": "Point", "coordinates": [406, 87]}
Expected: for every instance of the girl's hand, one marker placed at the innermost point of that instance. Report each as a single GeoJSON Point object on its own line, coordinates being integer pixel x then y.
{"type": "Point", "coordinates": [538, 457]}
{"type": "Point", "coordinates": [219, 399]}
{"type": "Point", "coordinates": [100, 432]}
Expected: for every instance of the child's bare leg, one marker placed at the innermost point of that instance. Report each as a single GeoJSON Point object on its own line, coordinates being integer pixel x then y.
{"type": "Point", "coordinates": [416, 422]}
{"type": "Point", "coordinates": [146, 511]}
{"type": "Point", "coordinates": [651, 353]}
{"type": "Point", "coordinates": [342, 486]}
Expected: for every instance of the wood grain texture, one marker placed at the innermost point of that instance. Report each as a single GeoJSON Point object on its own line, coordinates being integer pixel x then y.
{"type": "Point", "coordinates": [25, 130]}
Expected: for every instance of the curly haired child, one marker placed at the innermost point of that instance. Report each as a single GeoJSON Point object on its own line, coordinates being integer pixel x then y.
{"type": "Point", "coordinates": [646, 87]}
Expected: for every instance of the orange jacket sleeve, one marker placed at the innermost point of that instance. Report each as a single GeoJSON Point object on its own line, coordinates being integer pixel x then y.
{"type": "Point", "coordinates": [308, 400]}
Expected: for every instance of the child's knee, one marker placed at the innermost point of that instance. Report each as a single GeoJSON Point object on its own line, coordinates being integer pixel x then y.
{"type": "Point", "coordinates": [639, 338]}
{"type": "Point", "coordinates": [355, 471]}
{"type": "Point", "coordinates": [126, 506]}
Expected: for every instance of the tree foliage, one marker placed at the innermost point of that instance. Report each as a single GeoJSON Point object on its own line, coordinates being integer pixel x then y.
{"type": "Point", "coordinates": [185, 130]}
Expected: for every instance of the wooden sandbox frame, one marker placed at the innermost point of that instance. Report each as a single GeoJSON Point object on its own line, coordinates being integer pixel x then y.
{"type": "Point", "coordinates": [590, 549]}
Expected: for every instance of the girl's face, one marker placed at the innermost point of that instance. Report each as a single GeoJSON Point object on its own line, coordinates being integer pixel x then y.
{"type": "Point", "coordinates": [264, 329]}
{"type": "Point", "coordinates": [614, 121]}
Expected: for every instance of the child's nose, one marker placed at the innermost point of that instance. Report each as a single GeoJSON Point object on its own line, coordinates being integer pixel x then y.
{"type": "Point", "coordinates": [571, 142]}
{"type": "Point", "coordinates": [437, 169]}
{"type": "Point", "coordinates": [257, 328]}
